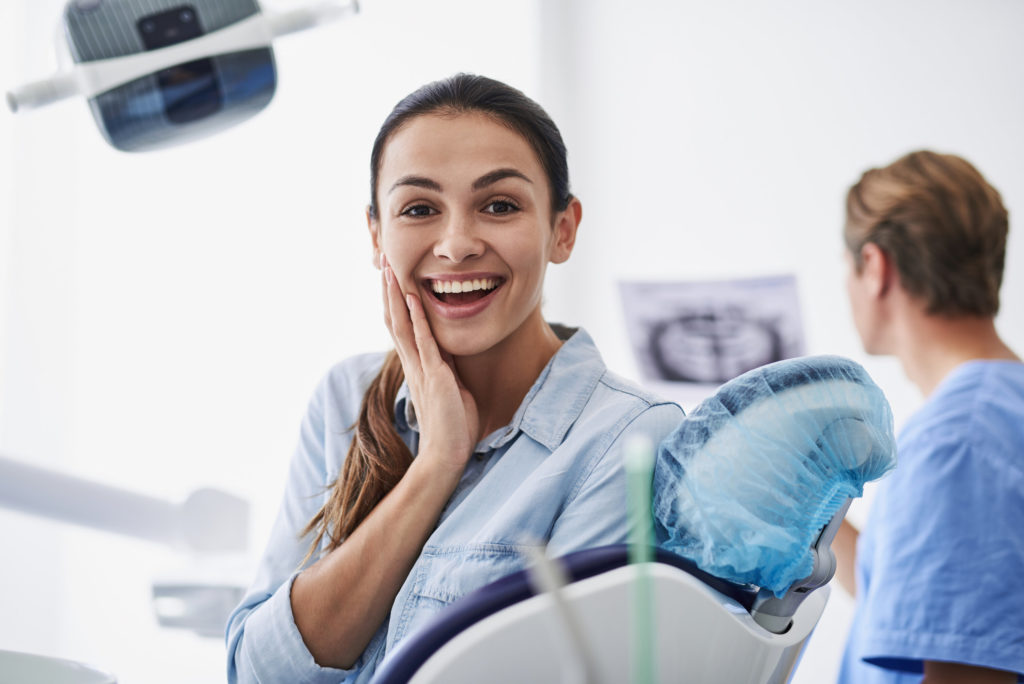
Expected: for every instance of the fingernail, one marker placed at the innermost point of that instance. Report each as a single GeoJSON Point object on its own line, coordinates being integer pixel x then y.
{"type": "Point", "coordinates": [389, 274]}
{"type": "Point", "coordinates": [408, 300]}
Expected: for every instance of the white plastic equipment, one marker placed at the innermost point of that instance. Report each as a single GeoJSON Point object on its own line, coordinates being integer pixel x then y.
{"type": "Point", "coordinates": [702, 635]}
{"type": "Point", "coordinates": [28, 668]}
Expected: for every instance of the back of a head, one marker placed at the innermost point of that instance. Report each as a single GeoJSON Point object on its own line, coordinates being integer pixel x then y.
{"type": "Point", "coordinates": [943, 225]}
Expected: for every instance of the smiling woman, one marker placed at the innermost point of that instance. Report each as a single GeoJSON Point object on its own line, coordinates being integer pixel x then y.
{"type": "Point", "coordinates": [422, 474]}
{"type": "Point", "coordinates": [487, 221]}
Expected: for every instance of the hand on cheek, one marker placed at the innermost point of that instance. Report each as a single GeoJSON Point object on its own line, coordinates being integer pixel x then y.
{"type": "Point", "coordinates": [445, 410]}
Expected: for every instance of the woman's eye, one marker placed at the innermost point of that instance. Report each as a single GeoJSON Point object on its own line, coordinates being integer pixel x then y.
{"type": "Point", "coordinates": [418, 210]}
{"type": "Point", "coordinates": [501, 207]}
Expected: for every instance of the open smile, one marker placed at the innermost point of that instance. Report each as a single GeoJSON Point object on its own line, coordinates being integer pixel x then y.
{"type": "Point", "coordinates": [462, 297]}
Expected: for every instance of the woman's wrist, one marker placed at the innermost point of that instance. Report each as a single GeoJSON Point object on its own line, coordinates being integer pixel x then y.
{"type": "Point", "coordinates": [438, 464]}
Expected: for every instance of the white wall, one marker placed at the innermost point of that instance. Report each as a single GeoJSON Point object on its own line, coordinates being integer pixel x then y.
{"type": "Point", "coordinates": [166, 315]}
{"type": "Point", "coordinates": [717, 140]}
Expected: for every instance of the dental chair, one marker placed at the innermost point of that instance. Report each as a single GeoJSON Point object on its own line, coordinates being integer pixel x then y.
{"type": "Point", "coordinates": [505, 633]}
{"type": "Point", "coordinates": [737, 580]}
{"type": "Point", "coordinates": [29, 668]}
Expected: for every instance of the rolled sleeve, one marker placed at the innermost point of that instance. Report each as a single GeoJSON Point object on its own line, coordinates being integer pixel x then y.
{"type": "Point", "coordinates": [273, 649]}
{"type": "Point", "coordinates": [263, 643]}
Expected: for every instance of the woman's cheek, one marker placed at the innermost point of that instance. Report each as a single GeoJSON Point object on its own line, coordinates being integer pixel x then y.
{"type": "Point", "coordinates": [405, 279]}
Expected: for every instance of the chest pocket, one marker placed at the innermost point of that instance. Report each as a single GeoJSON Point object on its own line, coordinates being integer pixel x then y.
{"type": "Point", "coordinates": [446, 574]}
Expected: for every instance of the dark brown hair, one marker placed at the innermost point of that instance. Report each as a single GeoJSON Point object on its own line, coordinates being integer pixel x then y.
{"type": "Point", "coordinates": [941, 223]}
{"type": "Point", "coordinates": [377, 457]}
{"type": "Point", "coordinates": [376, 460]}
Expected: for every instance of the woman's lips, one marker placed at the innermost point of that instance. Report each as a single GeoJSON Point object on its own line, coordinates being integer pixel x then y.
{"type": "Point", "coordinates": [463, 296]}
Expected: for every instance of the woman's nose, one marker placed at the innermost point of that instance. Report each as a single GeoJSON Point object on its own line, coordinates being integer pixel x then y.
{"type": "Point", "coordinates": [459, 240]}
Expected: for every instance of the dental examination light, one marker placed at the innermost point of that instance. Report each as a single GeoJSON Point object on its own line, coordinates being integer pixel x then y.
{"type": "Point", "coordinates": [159, 73]}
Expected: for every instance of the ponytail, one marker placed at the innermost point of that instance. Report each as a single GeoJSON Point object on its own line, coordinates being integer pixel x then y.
{"type": "Point", "coordinates": [377, 459]}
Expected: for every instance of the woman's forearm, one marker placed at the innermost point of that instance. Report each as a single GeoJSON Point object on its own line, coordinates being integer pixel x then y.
{"type": "Point", "coordinates": [341, 600]}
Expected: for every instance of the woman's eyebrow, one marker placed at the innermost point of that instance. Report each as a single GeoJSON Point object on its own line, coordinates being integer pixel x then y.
{"type": "Point", "coordinates": [497, 175]}
{"type": "Point", "coordinates": [416, 181]}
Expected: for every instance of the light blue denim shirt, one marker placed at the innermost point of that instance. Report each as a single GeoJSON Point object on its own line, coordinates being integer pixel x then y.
{"type": "Point", "coordinates": [554, 474]}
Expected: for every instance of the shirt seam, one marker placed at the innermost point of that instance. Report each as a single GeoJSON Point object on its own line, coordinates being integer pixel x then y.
{"type": "Point", "coordinates": [972, 434]}
{"type": "Point", "coordinates": [975, 429]}
{"type": "Point", "coordinates": [609, 437]}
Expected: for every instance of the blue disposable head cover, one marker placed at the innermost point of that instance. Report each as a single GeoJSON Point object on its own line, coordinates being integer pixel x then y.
{"type": "Point", "coordinates": [745, 484]}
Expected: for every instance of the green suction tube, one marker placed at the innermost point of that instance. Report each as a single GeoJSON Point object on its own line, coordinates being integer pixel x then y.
{"type": "Point", "coordinates": [639, 464]}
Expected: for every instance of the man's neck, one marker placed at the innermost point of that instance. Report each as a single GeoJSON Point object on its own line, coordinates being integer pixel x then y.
{"type": "Point", "coordinates": [930, 347]}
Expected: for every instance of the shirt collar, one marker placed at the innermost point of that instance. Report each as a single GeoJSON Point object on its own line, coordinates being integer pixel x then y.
{"type": "Point", "coordinates": [553, 403]}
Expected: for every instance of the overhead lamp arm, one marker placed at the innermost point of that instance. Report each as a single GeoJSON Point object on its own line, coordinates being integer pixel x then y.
{"type": "Point", "coordinates": [209, 520]}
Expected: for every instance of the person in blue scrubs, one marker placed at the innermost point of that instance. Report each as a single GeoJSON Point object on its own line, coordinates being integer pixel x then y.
{"type": "Point", "coordinates": [941, 556]}
{"type": "Point", "coordinates": [424, 473]}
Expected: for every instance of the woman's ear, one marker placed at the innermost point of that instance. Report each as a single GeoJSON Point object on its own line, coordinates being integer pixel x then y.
{"type": "Point", "coordinates": [567, 222]}
{"type": "Point", "coordinates": [374, 226]}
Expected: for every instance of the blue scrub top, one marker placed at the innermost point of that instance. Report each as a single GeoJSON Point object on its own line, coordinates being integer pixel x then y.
{"type": "Point", "coordinates": [941, 558]}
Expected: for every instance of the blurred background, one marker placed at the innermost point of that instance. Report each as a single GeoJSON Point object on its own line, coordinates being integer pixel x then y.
{"type": "Point", "coordinates": [164, 317]}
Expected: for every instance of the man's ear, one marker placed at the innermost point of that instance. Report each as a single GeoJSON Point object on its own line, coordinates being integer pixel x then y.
{"type": "Point", "coordinates": [374, 226]}
{"type": "Point", "coordinates": [566, 223]}
{"type": "Point", "coordinates": [877, 270]}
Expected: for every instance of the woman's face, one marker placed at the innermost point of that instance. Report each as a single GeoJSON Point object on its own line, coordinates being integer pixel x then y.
{"type": "Point", "coordinates": [465, 222]}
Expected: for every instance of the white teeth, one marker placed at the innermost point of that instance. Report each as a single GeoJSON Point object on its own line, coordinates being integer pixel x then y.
{"type": "Point", "coordinates": [446, 286]}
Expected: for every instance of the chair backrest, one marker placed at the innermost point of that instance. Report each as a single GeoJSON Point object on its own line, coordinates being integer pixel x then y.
{"type": "Point", "coordinates": [28, 668]}
{"type": "Point", "coordinates": [704, 632]}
